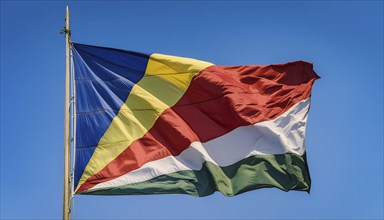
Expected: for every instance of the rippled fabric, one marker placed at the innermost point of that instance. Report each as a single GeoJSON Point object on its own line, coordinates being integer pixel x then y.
{"type": "Point", "coordinates": [147, 116]}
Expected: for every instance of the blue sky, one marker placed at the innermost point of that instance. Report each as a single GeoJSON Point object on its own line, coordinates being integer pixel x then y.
{"type": "Point", "coordinates": [344, 40]}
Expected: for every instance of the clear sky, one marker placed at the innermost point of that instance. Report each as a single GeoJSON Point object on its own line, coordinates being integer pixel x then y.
{"type": "Point", "coordinates": [344, 40]}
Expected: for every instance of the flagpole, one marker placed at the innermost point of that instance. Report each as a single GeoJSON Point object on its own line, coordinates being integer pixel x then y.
{"type": "Point", "coordinates": [67, 190]}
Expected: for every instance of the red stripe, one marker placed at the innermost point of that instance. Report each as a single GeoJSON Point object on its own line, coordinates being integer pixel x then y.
{"type": "Point", "coordinates": [218, 100]}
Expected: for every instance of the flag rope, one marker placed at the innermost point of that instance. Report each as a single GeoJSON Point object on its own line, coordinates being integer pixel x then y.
{"type": "Point", "coordinates": [73, 129]}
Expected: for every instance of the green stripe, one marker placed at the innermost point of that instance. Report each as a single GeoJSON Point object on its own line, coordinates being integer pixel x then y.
{"type": "Point", "coordinates": [283, 171]}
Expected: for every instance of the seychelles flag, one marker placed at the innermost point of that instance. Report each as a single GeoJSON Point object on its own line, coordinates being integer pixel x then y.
{"type": "Point", "coordinates": [155, 124]}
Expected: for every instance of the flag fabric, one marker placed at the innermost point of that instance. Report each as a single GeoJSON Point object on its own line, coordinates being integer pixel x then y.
{"type": "Point", "coordinates": [156, 124]}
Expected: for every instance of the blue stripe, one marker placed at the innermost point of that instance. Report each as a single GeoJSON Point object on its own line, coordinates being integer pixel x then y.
{"type": "Point", "coordinates": [104, 77]}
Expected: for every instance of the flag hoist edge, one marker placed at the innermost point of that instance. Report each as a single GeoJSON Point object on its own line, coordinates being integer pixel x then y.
{"type": "Point", "coordinates": [153, 124]}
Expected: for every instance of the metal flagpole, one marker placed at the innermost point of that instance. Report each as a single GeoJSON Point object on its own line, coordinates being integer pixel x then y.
{"type": "Point", "coordinates": [67, 189]}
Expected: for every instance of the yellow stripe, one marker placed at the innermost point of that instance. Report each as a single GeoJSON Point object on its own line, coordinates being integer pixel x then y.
{"type": "Point", "coordinates": [165, 81]}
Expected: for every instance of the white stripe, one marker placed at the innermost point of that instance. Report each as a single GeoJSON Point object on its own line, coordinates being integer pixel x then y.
{"type": "Point", "coordinates": [285, 134]}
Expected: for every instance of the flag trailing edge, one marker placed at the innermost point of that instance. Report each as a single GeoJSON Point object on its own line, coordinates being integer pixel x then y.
{"type": "Point", "coordinates": [153, 124]}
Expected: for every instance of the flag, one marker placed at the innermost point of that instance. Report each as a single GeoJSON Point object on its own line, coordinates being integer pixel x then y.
{"type": "Point", "coordinates": [156, 124]}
